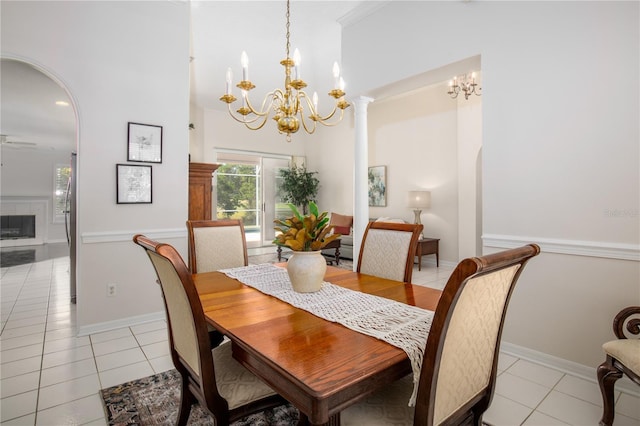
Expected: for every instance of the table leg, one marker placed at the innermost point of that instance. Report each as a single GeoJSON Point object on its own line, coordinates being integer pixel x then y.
{"type": "Point", "coordinates": [337, 255]}
{"type": "Point", "coordinates": [419, 257]}
{"type": "Point", "coordinates": [279, 250]}
{"type": "Point", "coordinates": [333, 420]}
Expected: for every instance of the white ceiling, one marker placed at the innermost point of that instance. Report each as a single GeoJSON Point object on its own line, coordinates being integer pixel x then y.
{"type": "Point", "coordinates": [221, 30]}
{"type": "Point", "coordinates": [29, 116]}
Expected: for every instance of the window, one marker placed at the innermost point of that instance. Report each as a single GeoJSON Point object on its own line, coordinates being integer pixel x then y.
{"type": "Point", "coordinates": [245, 188]}
{"type": "Point", "coordinates": [62, 174]}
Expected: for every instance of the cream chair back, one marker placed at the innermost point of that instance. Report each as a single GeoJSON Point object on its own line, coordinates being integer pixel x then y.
{"type": "Point", "coordinates": [460, 362]}
{"type": "Point", "coordinates": [471, 340]}
{"type": "Point", "coordinates": [216, 244]}
{"type": "Point", "coordinates": [180, 316]}
{"type": "Point", "coordinates": [388, 250]}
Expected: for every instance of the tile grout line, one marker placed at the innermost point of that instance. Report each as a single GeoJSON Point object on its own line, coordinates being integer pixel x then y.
{"type": "Point", "coordinates": [44, 341]}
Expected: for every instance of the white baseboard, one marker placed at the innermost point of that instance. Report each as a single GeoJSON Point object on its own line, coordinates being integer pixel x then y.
{"type": "Point", "coordinates": [569, 367]}
{"type": "Point", "coordinates": [120, 323]}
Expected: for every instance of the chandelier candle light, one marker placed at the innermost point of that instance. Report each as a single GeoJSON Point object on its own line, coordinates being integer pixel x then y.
{"type": "Point", "coordinates": [465, 83]}
{"type": "Point", "coordinates": [288, 103]}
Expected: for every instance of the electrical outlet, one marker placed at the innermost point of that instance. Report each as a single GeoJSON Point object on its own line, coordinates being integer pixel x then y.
{"type": "Point", "coordinates": [112, 289]}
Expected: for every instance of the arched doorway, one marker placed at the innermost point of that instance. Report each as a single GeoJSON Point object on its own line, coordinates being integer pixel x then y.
{"type": "Point", "coordinates": [38, 151]}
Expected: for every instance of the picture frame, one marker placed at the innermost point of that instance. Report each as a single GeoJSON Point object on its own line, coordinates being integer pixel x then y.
{"type": "Point", "coordinates": [377, 183]}
{"type": "Point", "coordinates": [133, 184]}
{"type": "Point", "coordinates": [144, 143]}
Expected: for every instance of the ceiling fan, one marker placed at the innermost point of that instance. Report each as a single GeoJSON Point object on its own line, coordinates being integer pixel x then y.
{"type": "Point", "coordinates": [5, 140]}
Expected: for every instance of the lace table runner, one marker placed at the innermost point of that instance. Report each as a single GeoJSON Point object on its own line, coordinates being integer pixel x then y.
{"type": "Point", "coordinates": [399, 324]}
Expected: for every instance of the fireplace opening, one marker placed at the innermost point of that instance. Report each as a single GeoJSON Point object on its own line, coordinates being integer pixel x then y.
{"type": "Point", "coordinates": [15, 227]}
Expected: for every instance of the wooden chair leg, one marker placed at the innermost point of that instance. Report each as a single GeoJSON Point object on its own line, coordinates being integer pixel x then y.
{"type": "Point", "coordinates": [186, 402]}
{"type": "Point", "coordinates": [607, 376]}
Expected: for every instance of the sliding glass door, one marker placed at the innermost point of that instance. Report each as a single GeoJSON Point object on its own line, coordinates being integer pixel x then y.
{"type": "Point", "coordinates": [245, 187]}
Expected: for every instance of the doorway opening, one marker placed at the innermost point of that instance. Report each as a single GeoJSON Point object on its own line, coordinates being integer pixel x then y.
{"type": "Point", "coordinates": [39, 133]}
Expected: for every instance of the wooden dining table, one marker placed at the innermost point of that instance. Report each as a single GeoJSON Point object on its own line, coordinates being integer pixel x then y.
{"type": "Point", "coordinates": [321, 367]}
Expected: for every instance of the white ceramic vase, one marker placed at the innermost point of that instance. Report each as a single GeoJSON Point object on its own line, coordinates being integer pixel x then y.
{"type": "Point", "coordinates": [306, 270]}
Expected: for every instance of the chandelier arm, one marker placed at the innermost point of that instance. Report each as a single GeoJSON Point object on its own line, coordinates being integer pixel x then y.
{"type": "Point", "coordinates": [329, 116]}
{"type": "Point", "coordinates": [324, 123]}
{"type": "Point", "coordinates": [316, 115]}
{"type": "Point", "coordinates": [307, 129]}
{"type": "Point", "coordinates": [264, 120]}
{"type": "Point", "coordinates": [267, 101]}
{"type": "Point", "coordinates": [241, 118]}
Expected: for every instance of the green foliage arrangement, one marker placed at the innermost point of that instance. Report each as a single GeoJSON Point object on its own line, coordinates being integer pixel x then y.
{"type": "Point", "coordinates": [299, 186]}
{"type": "Point", "coordinates": [304, 233]}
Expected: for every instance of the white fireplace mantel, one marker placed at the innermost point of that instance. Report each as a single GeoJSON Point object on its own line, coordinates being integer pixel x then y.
{"type": "Point", "coordinates": [37, 206]}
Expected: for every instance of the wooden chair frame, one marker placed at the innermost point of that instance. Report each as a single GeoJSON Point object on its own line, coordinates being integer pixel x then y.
{"type": "Point", "coordinates": [414, 229]}
{"type": "Point", "coordinates": [466, 270]}
{"type": "Point", "coordinates": [192, 224]}
{"type": "Point", "coordinates": [202, 388]}
{"type": "Point", "coordinates": [612, 369]}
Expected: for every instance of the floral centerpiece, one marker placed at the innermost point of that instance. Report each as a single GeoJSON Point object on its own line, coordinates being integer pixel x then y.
{"type": "Point", "coordinates": [305, 236]}
{"type": "Point", "coordinates": [304, 233]}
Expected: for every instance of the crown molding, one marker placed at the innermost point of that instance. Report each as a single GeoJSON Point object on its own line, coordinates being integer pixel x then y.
{"type": "Point", "coordinates": [364, 9]}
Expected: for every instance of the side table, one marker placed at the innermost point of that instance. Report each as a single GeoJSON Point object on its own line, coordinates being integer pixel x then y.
{"type": "Point", "coordinates": [428, 246]}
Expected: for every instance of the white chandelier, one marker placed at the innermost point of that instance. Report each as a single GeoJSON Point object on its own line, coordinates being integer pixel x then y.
{"type": "Point", "coordinates": [288, 105]}
{"type": "Point", "coordinates": [466, 84]}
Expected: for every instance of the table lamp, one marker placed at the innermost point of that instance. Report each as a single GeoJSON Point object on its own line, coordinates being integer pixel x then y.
{"type": "Point", "coordinates": [419, 200]}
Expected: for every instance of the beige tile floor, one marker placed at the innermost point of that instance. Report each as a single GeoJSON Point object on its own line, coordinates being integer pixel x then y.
{"type": "Point", "coordinates": [49, 376]}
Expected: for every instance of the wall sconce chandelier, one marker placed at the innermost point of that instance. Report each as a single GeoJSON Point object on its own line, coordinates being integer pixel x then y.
{"type": "Point", "coordinates": [466, 84]}
{"type": "Point", "coordinates": [286, 104]}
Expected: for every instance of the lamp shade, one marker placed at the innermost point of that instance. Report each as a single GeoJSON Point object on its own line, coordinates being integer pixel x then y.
{"type": "Point", "coordinates": [419, 199]}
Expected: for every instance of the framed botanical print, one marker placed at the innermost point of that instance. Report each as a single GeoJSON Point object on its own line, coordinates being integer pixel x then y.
{"type": "Point", "coordinates": [377, 180]}
{"type": "Point", "coordinates": [144, 143]}
{"type": "Point", "coordinates": [133, 184]}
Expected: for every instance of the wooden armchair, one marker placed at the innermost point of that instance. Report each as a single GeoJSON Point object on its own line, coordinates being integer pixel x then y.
{"type": "Point", "coordinates": [458, 374]}
{"type": "Point", "coordinates": [388, 250]}
{"type": "Point", "coordinates": [623, 356]}
{"type": "Point", "coordinates": [211, 377]}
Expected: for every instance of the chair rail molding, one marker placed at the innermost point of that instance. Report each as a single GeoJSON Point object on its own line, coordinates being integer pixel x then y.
{"type": "Point", "coordinates": [608, 250]}
{"type": "Point", "coordinates": [120, 236]}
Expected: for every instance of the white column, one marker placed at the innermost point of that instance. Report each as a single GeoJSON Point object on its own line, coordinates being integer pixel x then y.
{"type": "Point", "coordinates": [360, 186]}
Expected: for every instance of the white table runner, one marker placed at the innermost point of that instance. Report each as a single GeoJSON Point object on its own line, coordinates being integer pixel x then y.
{"type": "Point", "coordinates": [399, 324]}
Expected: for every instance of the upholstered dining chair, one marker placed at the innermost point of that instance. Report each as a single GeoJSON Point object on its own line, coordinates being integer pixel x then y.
{"type": "Point", "coordinates": [211, 377]}
{"type": "Point", "coordinates": [216, 244]}
{"type": "Point", "coordinates": [623, 357]}
{"type": "Point", "coordinates": [388, 250]}
{"type": "Point", "coordinates": [458, 373]}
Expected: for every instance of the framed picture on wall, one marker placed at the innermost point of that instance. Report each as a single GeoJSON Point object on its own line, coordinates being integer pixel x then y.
{"type": "Point", "coordinates": [377, 180]}
{"type": "Point", "coordinates": [144, 143]}
{"type": "Point", "coordinates": [133, 184]}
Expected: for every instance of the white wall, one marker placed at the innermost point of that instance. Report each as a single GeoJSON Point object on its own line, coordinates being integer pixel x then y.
{"type": "Point", "coordinates": [415, 137]}
{"type": "Point", "coordinates": [121, 62]}
{"type": "Point", "coordinates": [560, 153]}
{"type": "Point", "coordinates": [30, 173]}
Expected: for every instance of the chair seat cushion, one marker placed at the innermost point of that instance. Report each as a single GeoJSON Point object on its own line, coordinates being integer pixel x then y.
{"type": "Point", "coordinates": [627, 351]}
{"type": "Point", "coordinates": [389, 406]}
{"type": "Point", "coordinates": [236, 384]}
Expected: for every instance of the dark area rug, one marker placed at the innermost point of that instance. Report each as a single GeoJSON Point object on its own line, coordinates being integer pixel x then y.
{"type": "Point", "coordinates": [154, 400]}
{"type": "Point", "coordinates": [16, 257]}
